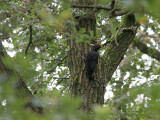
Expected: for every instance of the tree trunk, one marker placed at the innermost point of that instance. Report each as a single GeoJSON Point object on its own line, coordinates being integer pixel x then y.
{"type": "Point", "coordinates": [80, 85]}
{"type": "Point", "coordinates": [93, 93]}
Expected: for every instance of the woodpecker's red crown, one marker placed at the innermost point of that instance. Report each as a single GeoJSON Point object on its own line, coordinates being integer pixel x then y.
{"type": "Point", "coordinates": [97, 44]}
{"type": "Point", "coordinates": [96, 47]}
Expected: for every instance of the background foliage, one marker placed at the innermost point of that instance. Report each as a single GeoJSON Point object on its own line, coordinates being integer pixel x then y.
{"type": "Point", "coordinates": [133, 92]}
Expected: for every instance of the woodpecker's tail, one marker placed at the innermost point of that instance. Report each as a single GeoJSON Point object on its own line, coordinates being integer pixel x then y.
{"type": "Point", "coordinates": [91, 77]}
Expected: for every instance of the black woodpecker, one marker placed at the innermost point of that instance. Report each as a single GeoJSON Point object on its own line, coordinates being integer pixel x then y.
{"type": "Point", "coordinates": [91, 61]}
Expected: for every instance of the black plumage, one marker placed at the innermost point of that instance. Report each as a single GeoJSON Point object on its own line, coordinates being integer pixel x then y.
{"type": "Point", "coordinates": [92, 60]}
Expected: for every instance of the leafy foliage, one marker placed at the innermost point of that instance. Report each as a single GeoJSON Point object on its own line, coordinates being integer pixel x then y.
{"type": "Point", "coordinates": [135, 85]}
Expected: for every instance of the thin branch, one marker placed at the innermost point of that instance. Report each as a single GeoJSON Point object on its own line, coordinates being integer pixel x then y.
{"type": "Point", "coordinates": [52, 70]}
{"type": "Point", "coordinates": [60, 78]}
{"type": "Point", "coordinates": [106, 43]}
{"type": "Point", "coordinates": [93, 6]}
{"type": "Point", "coordinates": [117, 11]}
{"type": "Point", "coordinates": [120, 13]}
{"type": "Point", "coordinates": [59, 82]}
{"type": "Point", "coordinates": [113, 6]}
{"type": "Point", "coordinates": [62, 60]}
{"type": "Point", "coordinates": [154, 36]}
{"type": "Point", "coordinates": [30, 39]}
{"type": "Point", "coordinates": [147, 50]}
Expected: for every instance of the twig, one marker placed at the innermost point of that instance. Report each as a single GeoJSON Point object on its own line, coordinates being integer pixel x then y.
{"type": "Point", "coordinates": [113, 6]}
{"type": "Point", "coordinates": [60, 78]}
{"type": "Point", "coordinates": [116, 42]}
{"type": "Point", "coordinates": [106, 43]}
{"type": "Point", "coordinates": [93, 6]}
{"type": "Point", "coordinates": [61, 81]}
{"type": "Point", "coordinates": [30, 39]}
{"type": "Point", "coordinates": [52, 70]}
{"type": "Point", "coordinates": [120, 13]}
{"type": "Point", "coordinates": [117, 11]}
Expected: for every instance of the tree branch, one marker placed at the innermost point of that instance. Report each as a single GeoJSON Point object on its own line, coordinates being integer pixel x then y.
{"type": "Point", "coordinates": [113, 6]}
{"type": "Point", "coordinates": [30, 39]}
{"type": "Point", "coordinates": [117, 11]}
{"type": "Point", "coordinates": [92, 6]}
{"type": "Point", "coordinates": [147, 50]}
{"type": "Point", "coordinates": [60, 77]}
{"type": "Point", "coordinates": [60, 80]}
{"type": "Point", "coordinates": [114, 54]}
{"type": "Point", "coordinates": [22, 90]}
{"type": "Point", "coordinates": [154, 36]}
{"type": "Point", "coordinates": [61, 61]}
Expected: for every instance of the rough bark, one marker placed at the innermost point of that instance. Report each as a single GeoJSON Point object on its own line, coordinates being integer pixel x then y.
{"type": "Point", "coordinates": [21, 90]}
{"type": "Point", "coordinates": [93, 93]}
{"type": "Point", "coordinates": [80, 85]}
{"type": "Point", "coordinates": [114, 54]}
